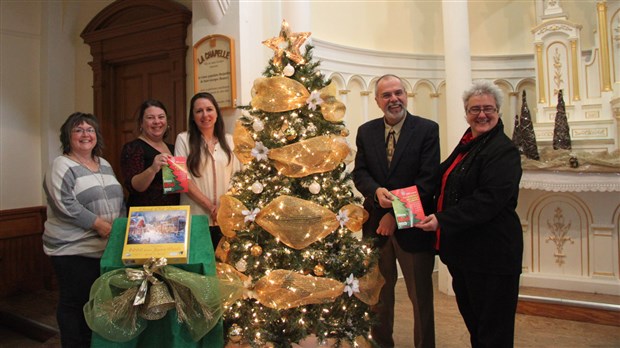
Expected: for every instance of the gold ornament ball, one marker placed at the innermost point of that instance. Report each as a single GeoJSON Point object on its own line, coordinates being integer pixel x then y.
{"type": "Point", "coordinates": [225, 246]}
{"type": "Point", "coordinates": [234, 333]}
{"type": "Point", "coordinates": [256, 250]}
{"type": "Point", "coordinates": [344, 132]}
{"type": "Point", "coordinates": [319, 270]}
{"type": "Point", "coordinates": [290, 133]}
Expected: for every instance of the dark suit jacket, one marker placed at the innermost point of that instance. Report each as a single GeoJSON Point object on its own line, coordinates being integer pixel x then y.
{"type": "Point", "coordinates": [415, 162]}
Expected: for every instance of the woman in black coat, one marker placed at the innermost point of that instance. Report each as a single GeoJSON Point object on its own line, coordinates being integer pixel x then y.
{"type": "Point", "coordinates": [480, 237]}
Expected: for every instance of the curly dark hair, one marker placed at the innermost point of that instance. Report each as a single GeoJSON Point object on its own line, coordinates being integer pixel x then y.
{"type": "Point", "coordinates": [74, 120]}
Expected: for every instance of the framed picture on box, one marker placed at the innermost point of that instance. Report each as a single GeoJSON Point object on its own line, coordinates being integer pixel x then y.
{"type": "Point", "coordinates": [157, 232]}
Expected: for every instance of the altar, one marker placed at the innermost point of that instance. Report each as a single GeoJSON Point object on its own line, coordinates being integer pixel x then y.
{"type": "Point", "coordinates": [571, 224]}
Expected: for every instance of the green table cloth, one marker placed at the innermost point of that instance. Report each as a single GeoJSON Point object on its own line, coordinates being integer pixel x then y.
{"type": "Point", "coordinates": [166, 332]}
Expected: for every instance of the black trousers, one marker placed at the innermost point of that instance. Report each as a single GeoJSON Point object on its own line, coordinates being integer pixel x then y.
{"type": "Point", "coordinates": [216, 235]}
{"type": "Point", "coordinates": [76, 275]}
{"type": "Point", "coordinates": [488, 304]}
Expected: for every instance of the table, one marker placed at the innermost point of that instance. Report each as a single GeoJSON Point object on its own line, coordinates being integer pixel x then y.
{"type": "Point", "coordinates": [166, 332]}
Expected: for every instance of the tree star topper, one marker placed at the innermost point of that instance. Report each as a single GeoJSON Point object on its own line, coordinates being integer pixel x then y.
{"type": "Point", "coordinates": [294, 40]}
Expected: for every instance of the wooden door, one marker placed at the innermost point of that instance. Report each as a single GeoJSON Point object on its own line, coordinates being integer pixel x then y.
{"type": "Point", "coordinates": [133, 84]}
{"type": "Point", "coordinates": [139, 50]}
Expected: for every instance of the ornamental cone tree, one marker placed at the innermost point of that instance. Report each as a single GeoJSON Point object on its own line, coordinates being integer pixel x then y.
{"type": "Point", "coordinates": [561, 131]}
{"type": "Point", "coordinates": [516, 135]}
{"type": "Point", "coordinates": [527, 142]}
{"type": "Point", "coordinates": [290, 213]}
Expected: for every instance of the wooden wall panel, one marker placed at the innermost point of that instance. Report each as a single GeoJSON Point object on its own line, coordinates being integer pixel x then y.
{"type": "Point", "coordinates": [23, 265]}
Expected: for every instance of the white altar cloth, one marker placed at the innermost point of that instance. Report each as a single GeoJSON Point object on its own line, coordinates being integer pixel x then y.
{"type": "Point", "coordinates": [567, 181]}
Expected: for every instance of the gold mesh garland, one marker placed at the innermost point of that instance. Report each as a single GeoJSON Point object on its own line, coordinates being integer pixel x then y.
{"type": "Point", "coordinates": [316, 155]}
{"type": "Point", "coordinates": [278, 94]}
{"type": "Point", "coordinates": [230, 216]}
{"type": "Point", "coordinates": [244, 143]}
{"type": "Point", "coordinates": [357, 216]}
{"type": "Point", "coordinates": [232, 282]}
{"type": "Point", "coordinates": [296, 222]}
{"type": "Point", "coordinates": [332, 109]}
{"type": "Point", "coordinates": [370, 286]}
{"type": "Point", "coordinates": [283, 289]}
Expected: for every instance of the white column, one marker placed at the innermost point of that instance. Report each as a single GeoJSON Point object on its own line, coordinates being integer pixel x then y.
{"type": "Point", "coordinates": [342, 95]}
{"type": "Point", "coordinates": [435, 103]}
{"type": "Point", "coordinates": [297, 14]}
{"type": "Point", "coordinates": [509, 118]}
{"type": "Point", "coordinates": [457, 66]}
{"type": "Point", "coordinates": [365, 101]}
{"type": "Point", "coordinates": [458, 78]}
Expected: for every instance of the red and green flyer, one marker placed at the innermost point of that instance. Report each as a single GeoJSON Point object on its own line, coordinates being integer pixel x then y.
{"type": "Point", "coordinates": [175, 175]}
{"type": "Point", "coordinates": [407, 206]}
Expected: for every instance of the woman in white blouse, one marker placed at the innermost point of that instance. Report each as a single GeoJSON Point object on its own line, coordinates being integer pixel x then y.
{"type": "Point", "coordinates": [210, 159]}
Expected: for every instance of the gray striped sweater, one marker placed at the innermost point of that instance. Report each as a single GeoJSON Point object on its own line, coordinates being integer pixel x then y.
{"type": "Point", "coordinates": [75, 197]}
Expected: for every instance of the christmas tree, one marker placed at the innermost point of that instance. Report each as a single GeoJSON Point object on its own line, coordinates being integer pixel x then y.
{"type": "Point", "coordinates": [516, 135]}
{"type": "Point", "coordinates": [289, 216]}
{"type": "Point", "coordinates": [561, 131]}
{"type": "Point", "coordinates": [527, 138]}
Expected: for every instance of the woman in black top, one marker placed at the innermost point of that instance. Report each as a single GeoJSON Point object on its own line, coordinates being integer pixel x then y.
{"type": "Point", "coordinates": [142, 158]}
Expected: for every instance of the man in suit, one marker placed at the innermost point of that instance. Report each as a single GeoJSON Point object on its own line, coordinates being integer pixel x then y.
{"type": "Point", "coordinates": [413, 146]}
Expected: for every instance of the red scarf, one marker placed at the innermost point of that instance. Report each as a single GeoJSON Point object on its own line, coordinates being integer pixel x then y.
{"type": "Point", "coordinates": [464, 140]}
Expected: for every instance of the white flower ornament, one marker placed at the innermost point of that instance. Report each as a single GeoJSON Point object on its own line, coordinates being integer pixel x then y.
{"type": "Point", "coordinates": [342, 217]}
{"type": "Point", "coordinates": [314, 100]}
{"type": "Point", "coordinates": [260, 151]}
{"type": "Point", "coordinates": [352, 285]}
{"type": "Point", "coordinates": [250, 215]}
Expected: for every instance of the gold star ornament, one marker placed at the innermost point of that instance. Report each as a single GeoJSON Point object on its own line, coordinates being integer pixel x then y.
{"type": "Point", "coordinates": [287, 43]}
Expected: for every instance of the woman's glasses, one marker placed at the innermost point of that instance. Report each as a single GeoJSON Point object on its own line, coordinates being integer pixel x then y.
{"type": "Point", "coordinates": [81, 131]}
{"type": "Point", "coordinates": [488, 110]}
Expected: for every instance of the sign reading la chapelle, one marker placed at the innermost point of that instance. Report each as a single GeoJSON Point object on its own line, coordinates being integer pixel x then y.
{"type": "Point", "coordinates": [214, 69]}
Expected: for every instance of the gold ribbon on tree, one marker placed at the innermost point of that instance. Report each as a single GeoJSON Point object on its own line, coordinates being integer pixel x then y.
{"type": "Point", "coordinates": [244, 143]}
{"type": "Point", "coordinates": [233, 283]}
{"type": "Point", "coordinates": [284, 289]}
{"type": "Point", "coordinates": [332, 109]}
{"type": "Point", "coordinates": [316, 155]}
{"type": "Point", "coordinates": [294, 221]}
{"type": "Point", "coordinates": [278, 94]}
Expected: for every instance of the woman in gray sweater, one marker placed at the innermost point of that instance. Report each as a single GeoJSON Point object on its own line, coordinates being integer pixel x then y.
{"type": "Point", "coordinates": [83, 198]}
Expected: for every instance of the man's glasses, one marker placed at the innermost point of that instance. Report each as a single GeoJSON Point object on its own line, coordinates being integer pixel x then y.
{"type": "Point", "coordinates": [488, 110]}
{"type": "Point", "coordinates": [81, 131]}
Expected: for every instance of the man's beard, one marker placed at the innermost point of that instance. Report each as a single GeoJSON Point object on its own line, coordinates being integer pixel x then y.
{"type": "Point", "coordinates": [400, 114]}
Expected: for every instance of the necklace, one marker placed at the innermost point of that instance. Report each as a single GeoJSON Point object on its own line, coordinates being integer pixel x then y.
{"type": "Point", "coordinates": [99, 178]}
{"type": "Point", "coordinates": [210, 143]}
{"type": "Point", "coordinates": [97, 170]}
